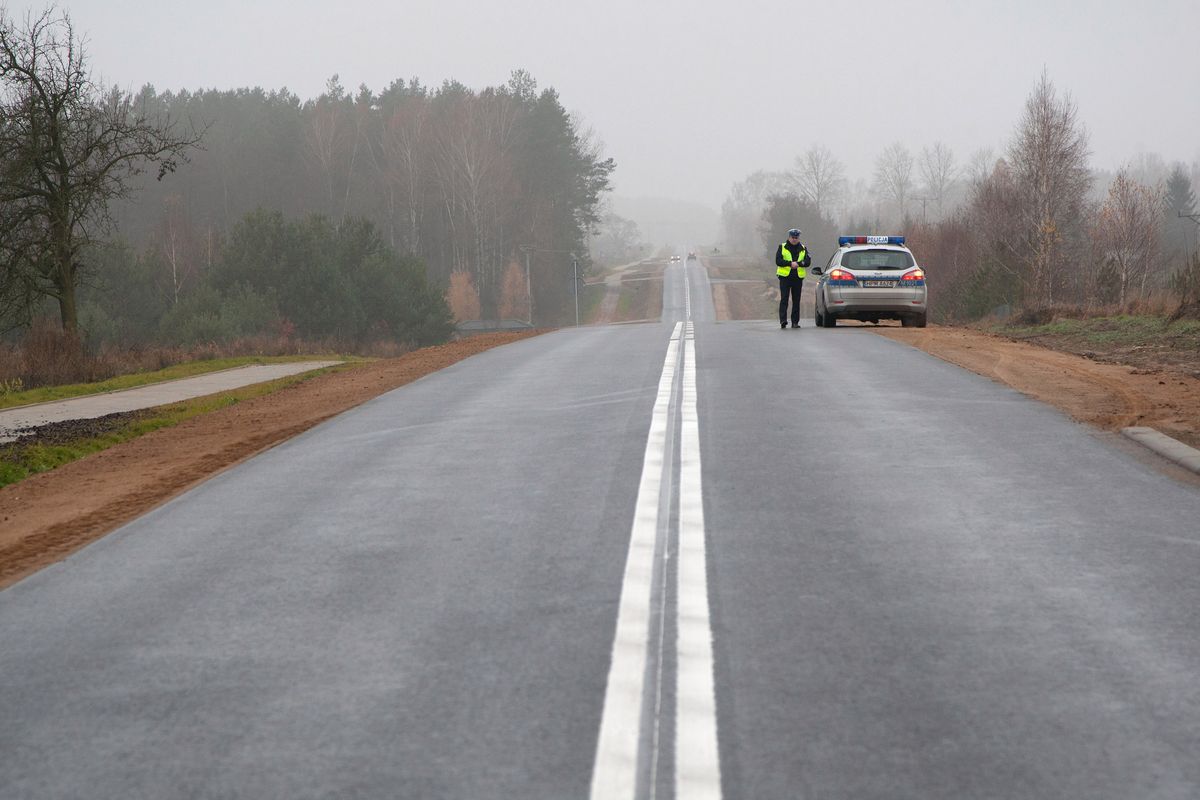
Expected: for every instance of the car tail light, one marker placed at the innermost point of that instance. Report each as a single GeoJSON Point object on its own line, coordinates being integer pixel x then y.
{"type": "Point", "coordinates": [913, 275]}
{"type": "Point", "coordinates": [839, 274]}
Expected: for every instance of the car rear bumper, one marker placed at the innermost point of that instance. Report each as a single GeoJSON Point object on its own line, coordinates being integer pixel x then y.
{"type": "Point", "coordinates": [847, 302]}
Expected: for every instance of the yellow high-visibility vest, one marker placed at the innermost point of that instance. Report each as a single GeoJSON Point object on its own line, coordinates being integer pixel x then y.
{"type": "Point", "coordinates": [783, 272]}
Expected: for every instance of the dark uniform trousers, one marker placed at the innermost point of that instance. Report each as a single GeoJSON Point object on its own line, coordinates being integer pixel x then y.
{"type": "Point", "coordinates": [790, 286]}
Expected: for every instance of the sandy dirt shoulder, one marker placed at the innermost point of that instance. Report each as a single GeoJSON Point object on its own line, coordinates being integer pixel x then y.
{"type": "Point", "coordinates": [48, 516]}
{"type": "Point", "coordinates": [1108, 396]}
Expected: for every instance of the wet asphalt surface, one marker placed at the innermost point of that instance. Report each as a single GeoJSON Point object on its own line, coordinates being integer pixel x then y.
{"type": "Point", "coordinates": [922, 585]}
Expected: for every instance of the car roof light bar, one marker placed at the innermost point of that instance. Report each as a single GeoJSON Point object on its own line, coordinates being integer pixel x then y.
{"type": "Point", "coordinates": [845, 240]}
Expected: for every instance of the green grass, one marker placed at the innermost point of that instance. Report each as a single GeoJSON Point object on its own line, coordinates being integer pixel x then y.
{"type": "Point", "coordinates": [10, 398]}
{"type": "Point", "coordinates": [590, 297]}
{"type": "Point", "coordinates": [18, 461]}
{"type": "Point", "coordinates": [1109, 333]}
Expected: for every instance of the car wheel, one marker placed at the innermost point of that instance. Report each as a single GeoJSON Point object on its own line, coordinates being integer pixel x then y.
{"type": "Point", "coordinates": [921, 321]}
{"type": "Point", "coordinates": [818, 318]}
{"type": "Point", "coordinates": [915, 321]}
{"type": "Point", "coordinates": [829, 320]}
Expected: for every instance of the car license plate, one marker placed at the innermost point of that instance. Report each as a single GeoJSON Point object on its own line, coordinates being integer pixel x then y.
{"type": "Point", "coordinates": [879, 284]}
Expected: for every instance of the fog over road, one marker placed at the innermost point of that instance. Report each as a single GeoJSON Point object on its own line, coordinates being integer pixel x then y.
{"type": "Point", "coordinates": [912, 583]}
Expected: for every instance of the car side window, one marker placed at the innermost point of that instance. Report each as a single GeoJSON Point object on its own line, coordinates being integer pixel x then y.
{"type": "Point", "coordinates": [832, 261]}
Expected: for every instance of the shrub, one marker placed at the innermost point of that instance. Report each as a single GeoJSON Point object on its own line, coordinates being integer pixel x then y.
{"type": "Point", "coordinates": [197, 318]}
{"type": "Point", "coordinates": [1185, 281]}
{"type": "Point", "coordinates": [245, 312]}
{"type": "Point", "coordinates": [50, 355]}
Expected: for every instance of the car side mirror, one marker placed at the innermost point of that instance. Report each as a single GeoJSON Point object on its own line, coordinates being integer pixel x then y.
{"type": "Point", "coordinates": [817, 271]}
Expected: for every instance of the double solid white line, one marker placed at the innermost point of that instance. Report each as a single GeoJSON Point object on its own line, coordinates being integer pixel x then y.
{"type": "Point", "coordinates": [697, 766]}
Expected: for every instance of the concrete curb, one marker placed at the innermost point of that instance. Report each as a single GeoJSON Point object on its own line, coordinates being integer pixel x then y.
{"type": "Point", "coordinates": [1172, 449]}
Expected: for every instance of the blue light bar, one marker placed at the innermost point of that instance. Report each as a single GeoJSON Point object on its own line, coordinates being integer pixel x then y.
{"type": "Point", "coordinates": [845, 240]}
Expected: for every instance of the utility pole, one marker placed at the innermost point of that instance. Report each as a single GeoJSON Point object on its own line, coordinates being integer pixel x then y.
{"type": "Point", "coordinates": [527, 249]}
{"type": "Point", "coordinates": [575, 271]}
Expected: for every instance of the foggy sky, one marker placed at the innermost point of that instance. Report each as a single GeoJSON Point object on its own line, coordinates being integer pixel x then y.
{"type": "Point", "coordinates": [690, 97]}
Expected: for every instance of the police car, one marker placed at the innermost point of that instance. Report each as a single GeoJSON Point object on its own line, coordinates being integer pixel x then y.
{"type": "Point", "coordinates": [870, 278]}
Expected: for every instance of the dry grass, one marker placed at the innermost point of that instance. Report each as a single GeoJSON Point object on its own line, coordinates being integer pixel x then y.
{"type": "Point", "coordinates": [49, 357]}
{"type": "Point", "coordinates": [1154, 304]}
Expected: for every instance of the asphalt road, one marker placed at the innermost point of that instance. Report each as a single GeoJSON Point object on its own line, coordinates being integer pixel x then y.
{"type": "Point", "coordinates": [716, 560]}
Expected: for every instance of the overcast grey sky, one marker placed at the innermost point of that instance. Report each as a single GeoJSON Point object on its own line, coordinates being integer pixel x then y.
{"type": "Point", "coordinates": [691, 96]}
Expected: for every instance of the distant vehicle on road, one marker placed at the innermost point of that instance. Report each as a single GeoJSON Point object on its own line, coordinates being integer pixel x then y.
{"type": "Point", "coordinates": [674, 259]}
{"type": "Point", "coordinates": [869, 278]}
{"type": "Point", "coordinates": [691, 256]}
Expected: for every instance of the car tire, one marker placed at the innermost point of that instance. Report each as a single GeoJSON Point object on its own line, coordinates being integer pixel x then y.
{"type": "Point", "coordinates": [915, 321]}
{"type": "Point", "coordinates": [828, 320]}
{"type": "Point", "coordinates": [818, 319]}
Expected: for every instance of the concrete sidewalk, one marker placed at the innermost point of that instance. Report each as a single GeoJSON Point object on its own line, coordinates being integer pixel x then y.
{"type": "Point", "coordinates": [98, 405]}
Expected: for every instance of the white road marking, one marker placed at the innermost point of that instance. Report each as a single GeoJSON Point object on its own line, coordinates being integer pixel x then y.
{"type": "Point", "coordinates": [697, 762]}
{"type": "Point", "coordinates": [615, 772]}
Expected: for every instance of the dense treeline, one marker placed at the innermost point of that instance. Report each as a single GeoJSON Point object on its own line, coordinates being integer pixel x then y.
{"type": "Point", "coordinates": [289, 279]}
{"type": "Point", "coordinates": [460, 179]}
{"type": "Point", "coordinates": [1028, 229]}
{"type": "Point", "coordinates": [180, 217]}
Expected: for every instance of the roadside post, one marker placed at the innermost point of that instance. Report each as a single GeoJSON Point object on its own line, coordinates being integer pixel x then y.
{"type": "Point", "coordinates": [575, 270]}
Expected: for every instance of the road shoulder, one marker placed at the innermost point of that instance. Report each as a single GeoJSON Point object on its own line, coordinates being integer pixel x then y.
{"type": "Point", "coordinates": [45, 518]}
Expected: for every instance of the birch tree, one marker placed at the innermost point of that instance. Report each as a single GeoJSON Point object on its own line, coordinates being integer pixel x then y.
{"type": "Point", "coordinates": [1049, 159]}
{"type": "Point", "coordinates": [1128, 235]}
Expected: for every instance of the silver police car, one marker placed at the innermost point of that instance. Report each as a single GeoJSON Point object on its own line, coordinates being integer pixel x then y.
{"type": "Point", "coordinates": [870, 278]}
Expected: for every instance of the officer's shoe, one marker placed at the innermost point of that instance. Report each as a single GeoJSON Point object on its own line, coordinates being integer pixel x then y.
{"type": "Point", "coordinates": [795, 324]}
{"type": "Point", "coordinates": [783, 325]}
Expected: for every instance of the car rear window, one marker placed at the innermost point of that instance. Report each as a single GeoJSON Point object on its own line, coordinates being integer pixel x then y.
{"type": "Point", "coordinates": [877, 259]}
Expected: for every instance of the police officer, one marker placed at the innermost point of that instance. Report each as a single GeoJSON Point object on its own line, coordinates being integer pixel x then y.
{"type": "Point", "coordinates": [790, 260]}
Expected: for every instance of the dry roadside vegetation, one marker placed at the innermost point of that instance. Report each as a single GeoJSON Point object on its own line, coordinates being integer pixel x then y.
{"type": "Point", "coordinates": [1100, 380]}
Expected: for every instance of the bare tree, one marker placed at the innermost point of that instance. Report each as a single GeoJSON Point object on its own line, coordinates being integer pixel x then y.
{"type": "Point", "coordinates": [980, 166]}
{"type": "Point", "coordinates": [742, 209]}
{"type": "Point", "coordinates": [1128, 233]}
{"type": "Point", "coordinates": [67, 149]}
{"type": "Point", "coordinates": [995, 220]}
{"type": "Point", "coordinates": [820, 177]}
{"type": "Point", "coordinates": [1049, 160]}
{"type": "Point", "coordinates": [939, 172]}
{"type": "Point", "coordinates": [893, 175]}
{"type": "Point", "coordinates": [1148, 169]}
